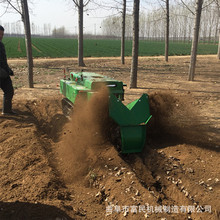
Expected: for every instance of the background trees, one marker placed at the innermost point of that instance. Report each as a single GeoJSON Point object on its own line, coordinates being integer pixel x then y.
{"type": "Point", "coordinates": [217, 2]}
{"type": "Point", "coordinates": [80, 4]}
{"type": "Point", "coordinates": [167, 35]}
{"type": "Point", "coordinates": [60, 32]}
{"type": "Point", "coordinates": [167, 20]}
{"type": "Point", "coordinates": [153, 22]}
{"type": "Point", "coordinates": [135, 44]}
{"type": "Point", "coordinates": [123, 32]}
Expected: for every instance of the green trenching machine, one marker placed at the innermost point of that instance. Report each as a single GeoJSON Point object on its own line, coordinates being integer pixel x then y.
{"type": "Point", "coordinates": [131, 118]}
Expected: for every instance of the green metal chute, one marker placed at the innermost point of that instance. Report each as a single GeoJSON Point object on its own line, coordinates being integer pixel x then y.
{"type": "Point", "coordinates": [132, 119]}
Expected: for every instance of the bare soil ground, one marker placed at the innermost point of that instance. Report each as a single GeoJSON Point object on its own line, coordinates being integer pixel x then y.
{"type": "Point", "coordinates": [53, 168]}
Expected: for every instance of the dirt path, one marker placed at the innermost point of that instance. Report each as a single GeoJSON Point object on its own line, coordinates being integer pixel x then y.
{"type": "Point", "coordinates": [52, 168]}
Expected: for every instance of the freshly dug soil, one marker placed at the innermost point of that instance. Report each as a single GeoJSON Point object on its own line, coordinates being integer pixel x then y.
{"type": "Point", "coordinates": [58, 168]}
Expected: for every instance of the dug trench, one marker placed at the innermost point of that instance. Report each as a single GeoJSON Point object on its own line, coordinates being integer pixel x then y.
{"type": "Point", "coordinates": [52, 167]}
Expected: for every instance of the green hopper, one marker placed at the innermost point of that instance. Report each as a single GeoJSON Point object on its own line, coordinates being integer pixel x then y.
{"type": "Point", "coordinates": [132, 120]}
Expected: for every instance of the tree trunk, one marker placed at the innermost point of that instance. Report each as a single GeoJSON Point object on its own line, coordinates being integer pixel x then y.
{"type": "Point", "coordinates": [218, 7]}
{"type": "Point", "coordinates": [26, 21]}
{"type": "Point", "coordinates": [195, 40]}
{"type": "Point", "coordinates": [167, 31]}
{"type": "Point", "coordinates": [123, 33]}
{"type": "Point", "coordinates": [135, 44]}
{"type": "Point", "coordinates": [80, 36]}
{"type": "Point", "coordinates": [218, 54]}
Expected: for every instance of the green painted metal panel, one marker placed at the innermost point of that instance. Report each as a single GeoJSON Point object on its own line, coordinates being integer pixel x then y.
{"type": "Point", "coordinates": [131, 118]}
{"type": "Point", "coordinates": [133, 138]}
{"type": "Point", "coordinates": [135, 113]}
{"type": "Point", "coordinates": [87, 82]}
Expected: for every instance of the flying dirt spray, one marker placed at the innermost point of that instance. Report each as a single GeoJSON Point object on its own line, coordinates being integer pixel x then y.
{"type": "Point", "coordinates": [176, 118]}
{"type": "Point", "coordinates": [84, 136]}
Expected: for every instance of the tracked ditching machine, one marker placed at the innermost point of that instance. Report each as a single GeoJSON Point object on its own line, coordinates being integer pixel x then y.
{"type": "Point", "coordinates": [131, 118]}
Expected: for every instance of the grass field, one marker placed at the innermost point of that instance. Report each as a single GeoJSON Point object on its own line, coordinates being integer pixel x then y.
{"type": "Point", "coordinates": [51, 47]}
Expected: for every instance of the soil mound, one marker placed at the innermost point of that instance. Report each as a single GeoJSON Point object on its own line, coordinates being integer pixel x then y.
{"type": "Point", "coordinates": [177, 119]}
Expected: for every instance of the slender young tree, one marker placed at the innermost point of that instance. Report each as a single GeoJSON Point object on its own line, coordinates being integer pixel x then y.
{"type": "Point", "coordinates": [195, 40]}
{"type": "Point", "coordinates": [80, 4]}
{"type": "Point", "coordinates": [26, 20]}
{"type": "Point", "coordinates": [135, 44]}
{"type": "Point", "coordinates": [123, 33]}
{"type": "Point", "coordinates": [167, 31]}
{"type": "Point", "coordinates": [24, 12]}
{"type": "Point", "coordinates": [218, 54]}
{"type": "Point", "coordinates": [165, 10]}
{"type": "Point", "coordinates": [218, 8]}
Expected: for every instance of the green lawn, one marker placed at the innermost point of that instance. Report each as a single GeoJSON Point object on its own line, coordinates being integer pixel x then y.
{"type": "Point", "coordinates": [51, 47]}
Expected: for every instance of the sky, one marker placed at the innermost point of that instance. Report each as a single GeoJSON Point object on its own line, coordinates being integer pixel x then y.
{"type": "Point", "coordinates": [60, 13]}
